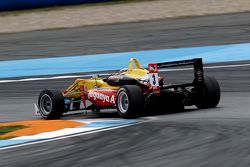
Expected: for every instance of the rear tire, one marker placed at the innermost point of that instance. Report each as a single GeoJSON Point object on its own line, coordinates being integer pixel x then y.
{"type": "Point", "coordinates": [51, 104]}
{"type": "Point", "coordinates": [209, 96]}
{"type": "Point", "coordinates": [130, 101]}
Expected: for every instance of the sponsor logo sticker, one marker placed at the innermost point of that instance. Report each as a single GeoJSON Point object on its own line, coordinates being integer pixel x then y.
{"type": "Point", "coordinates": [103, 97]}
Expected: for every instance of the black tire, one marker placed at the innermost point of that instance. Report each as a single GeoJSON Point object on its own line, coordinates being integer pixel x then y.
{"type": "Point", "coordinates": [51, 104]}
{"type": "Point", "coordinates": [209, 96]}
{"type": "Point", "coordinates": [135, 101]}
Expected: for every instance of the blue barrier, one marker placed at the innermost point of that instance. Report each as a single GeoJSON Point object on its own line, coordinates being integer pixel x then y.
{"type": "Point", "coordinates": [6, 5]}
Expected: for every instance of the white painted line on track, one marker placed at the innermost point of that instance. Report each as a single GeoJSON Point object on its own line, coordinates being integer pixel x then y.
{"type": "Point", "coordinates": [89, 75]}
{"type": "Point", "coordinates": [71, 135]}
{"type": "Point", "coordinates": [64, 137]}
{"type": "Point", "coordinates": [47, 78]}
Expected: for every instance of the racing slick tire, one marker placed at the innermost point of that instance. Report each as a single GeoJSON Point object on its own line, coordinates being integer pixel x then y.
{"type": "Point", "coordinates": [51, 104]}
{"type": "Point", "coordinates": [130, 101]}
{"type": "Point", "coordinates": [210, 95]}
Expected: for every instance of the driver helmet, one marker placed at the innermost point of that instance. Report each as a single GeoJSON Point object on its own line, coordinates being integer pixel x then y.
{"type": "Point", "coordinates": [123, 71]}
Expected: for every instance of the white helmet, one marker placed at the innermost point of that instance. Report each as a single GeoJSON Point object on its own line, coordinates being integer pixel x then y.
{"type": "Point", "coordinates": [123, 70]}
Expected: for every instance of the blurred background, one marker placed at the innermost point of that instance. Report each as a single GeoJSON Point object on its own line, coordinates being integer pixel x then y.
{"type": "Point", "coordinates": [50, 43]}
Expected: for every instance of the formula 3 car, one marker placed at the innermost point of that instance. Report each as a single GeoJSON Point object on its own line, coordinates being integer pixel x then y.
{"type": "Point", "coordinates": [132, 91]}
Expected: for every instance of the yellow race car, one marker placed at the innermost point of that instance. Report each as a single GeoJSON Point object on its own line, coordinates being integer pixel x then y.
{"type": "Point", "coordinates": [132, 91]}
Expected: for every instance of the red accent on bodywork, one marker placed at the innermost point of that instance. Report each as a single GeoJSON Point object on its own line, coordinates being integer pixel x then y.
{"type": "Point", "coordinates": [156, 89]}
{"type": "Point", "coordinates": [160, 78]}
{"type": "Point", "coordinates": [83, 96]}
{"type": "Point", "coordinates": [152, 68]}
{"type": "Point", "coordinates": [102, 97]}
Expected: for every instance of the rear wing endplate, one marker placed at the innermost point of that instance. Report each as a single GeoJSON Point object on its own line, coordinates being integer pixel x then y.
{"type": "Point", "coordinates": [197, 65]}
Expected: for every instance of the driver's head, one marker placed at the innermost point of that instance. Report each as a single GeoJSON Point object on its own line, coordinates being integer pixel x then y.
{"type": "Point", "coordinates": [123, 71]}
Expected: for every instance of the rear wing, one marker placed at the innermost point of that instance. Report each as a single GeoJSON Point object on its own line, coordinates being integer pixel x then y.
{"type": "Point", "coordinates": [198, 72]}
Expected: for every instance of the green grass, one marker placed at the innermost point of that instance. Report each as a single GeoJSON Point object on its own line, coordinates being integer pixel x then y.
{"type": "Point", "coordinates": [113, 2]}
{"type": "Point", "coordinates": [7, 129]}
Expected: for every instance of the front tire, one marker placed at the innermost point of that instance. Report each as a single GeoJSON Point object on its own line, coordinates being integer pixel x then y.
{"type": "Point", "coordinates": [130, 101]}
{"type": "Point", "coordinates": [209, 96]}
{"type": "Point", "coordinates": [51, 104]}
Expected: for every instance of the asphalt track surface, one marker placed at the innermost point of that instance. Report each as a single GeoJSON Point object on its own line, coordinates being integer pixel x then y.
{"type": "Point", "coordinates": [162, 34]}
{"type": "Point", "coordinates": [209, 137]}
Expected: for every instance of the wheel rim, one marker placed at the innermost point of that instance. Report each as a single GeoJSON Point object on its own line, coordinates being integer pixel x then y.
{"type": "Point", "coordinates": [45, 104]}
{"type": "Point", "coordinates": [123, 102]}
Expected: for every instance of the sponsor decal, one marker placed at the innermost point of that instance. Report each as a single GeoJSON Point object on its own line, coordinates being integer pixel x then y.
{"type": "Point", "coordinates": [103, 97]}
